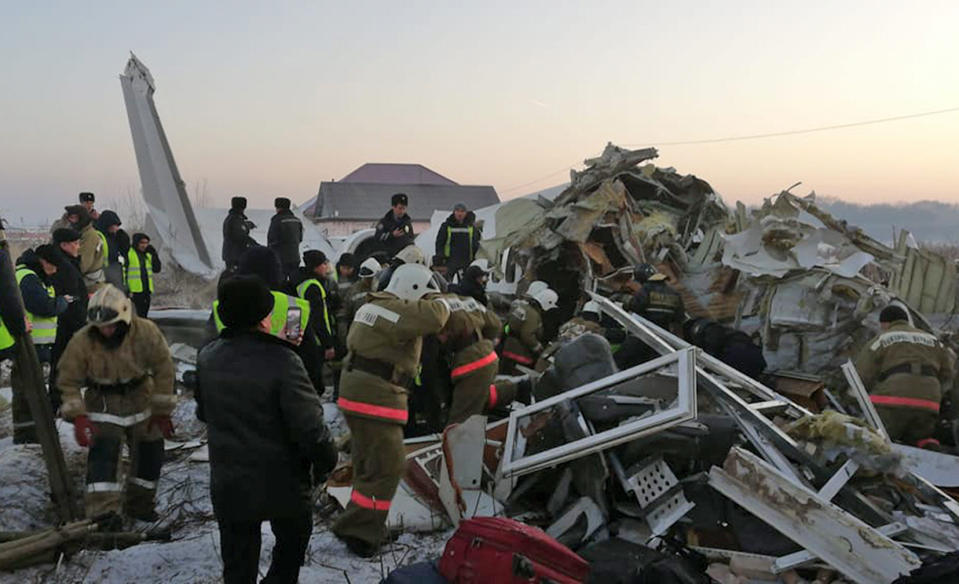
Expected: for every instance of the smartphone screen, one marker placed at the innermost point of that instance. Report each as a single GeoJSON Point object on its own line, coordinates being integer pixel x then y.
{"type": "Point", "coordinates": [293, 329]}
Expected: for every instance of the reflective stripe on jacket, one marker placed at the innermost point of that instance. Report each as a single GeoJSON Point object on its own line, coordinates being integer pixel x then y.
{"type": "Point", "coordinates": [44, 328]}
{"type": "Point", "coordinates": [281, 305]}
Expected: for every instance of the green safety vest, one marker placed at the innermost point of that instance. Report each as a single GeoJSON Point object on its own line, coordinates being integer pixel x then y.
{"type": "Point", "coordinates": [106, 247]}
{"type": "Point", "coordinates": [301, 291]}
{"type": "Point", "coordinates": [281, 304]}
{"type": "Point", "coordinates": [449, 238]}
{"type": "Point", "coordinates": [134, 273]}
{"type": "Point", "coordinates": [6, 339]}
{"type": "Point", "coordinates": [44, 327]}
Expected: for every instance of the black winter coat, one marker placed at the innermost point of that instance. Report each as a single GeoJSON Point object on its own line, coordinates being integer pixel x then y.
{"type": "Point", "coordinates": [69, 281]}
{"type": "Point", "coordinates": [284, 237]}
{"type": "Point", "coordinates": [264, 424]}
{"type": "Point", "coordinates": [384, 237]}
{"type": "Point", "coordinates": [236, 237]}
{"type": "Point", "coordinates": [118, 244]}
{"type": "Point", "coordinates": [462, 244]}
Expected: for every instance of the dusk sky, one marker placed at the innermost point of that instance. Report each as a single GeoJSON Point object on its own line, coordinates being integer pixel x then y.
{"type": "Point", "coordinates": [270, 98]}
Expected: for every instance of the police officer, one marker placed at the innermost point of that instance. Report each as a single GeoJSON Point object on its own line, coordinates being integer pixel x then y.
{"type": "Point", "coordinates": [384, 345]}
{"type": "Point", "coordinates": [142, 263]}
{"type": "Point", "coordinates": [236, 234]}
{"type": "Point", "coordinates": [395, 230]}
{"type": "Point", "coordinates": [125, 365]}
{"type": "Point", "coordinates": [458, 239]}
{"type": "Point", "coordinates": [656, 300]}
{"type": "Point", "coordinates": [285, 235]}
{"type": "Point", "coordinates": [904, 369]}
{"type": "Point", "coordinates": [34, 271]}
{"type": "Point", "coordinates": [524, 339]}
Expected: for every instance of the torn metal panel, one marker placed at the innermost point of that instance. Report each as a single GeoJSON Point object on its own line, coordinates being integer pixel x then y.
{"type": "Point", "coordinates": [564, 524]}
{"type": "Point", "coordinates": [170, 212]}
{"type": "Point", "coordinates": [800, 558]}
{"type": "Point", "coordinates": [938, 468]}
{"type": "Point", "coordinates": [859, 392]}
{"type": "Point", "coordinates": [926, 280]}
{"type": "Point", "coordinates": [858, 551]}
{"type": "Point", "coordinates": [515, 462]}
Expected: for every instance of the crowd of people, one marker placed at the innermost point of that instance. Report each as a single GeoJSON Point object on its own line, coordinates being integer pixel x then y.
{"type": "Point", "coordinates": [407, 350]}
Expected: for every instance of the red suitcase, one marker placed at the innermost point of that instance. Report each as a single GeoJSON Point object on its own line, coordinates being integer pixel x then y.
{"type": "Point", "coordinates": [504, 551]}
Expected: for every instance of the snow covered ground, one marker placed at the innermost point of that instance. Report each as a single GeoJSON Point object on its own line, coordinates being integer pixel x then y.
{"type": "Point", "coordinates": [183, 503]}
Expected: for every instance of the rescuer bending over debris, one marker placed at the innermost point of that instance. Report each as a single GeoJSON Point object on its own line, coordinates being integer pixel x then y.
{"type": "Point", "coordinates": [524, 337]}
{"type": "Point", "coordinates": [125, 365]}
{"type": "Point", "coordinates": [904, 369]}
{"type": "Point", "coordinates": [384, 346]}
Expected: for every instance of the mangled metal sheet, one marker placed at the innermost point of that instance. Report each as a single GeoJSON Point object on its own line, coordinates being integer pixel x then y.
{"type": "Point", "coordinates": [192, 237]}
{"type": "Point", "coordinates": [170, 214]}
{"type": "Point", "coordinates": [858, 551]}
{"type": "Point", "coordinates": [523, 422]}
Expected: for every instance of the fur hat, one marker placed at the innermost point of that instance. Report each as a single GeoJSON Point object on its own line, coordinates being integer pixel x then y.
{"type": "Point", "coordinates": [281, 203]}
{"type": "Point", "coordinates": [84, 197]}
{"type": "Point", "coordinates": [399, 199]}
{"type": "Point", "coordinates": [313, 258]}
{"type": "Point", "coordinates": [238, 203]}
{"type": "Point", "coordinates": [243, 301]}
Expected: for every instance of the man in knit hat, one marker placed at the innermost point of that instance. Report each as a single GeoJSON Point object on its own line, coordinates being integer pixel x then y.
{"type": "Point", "coordinates": [266, 435]}
{"type": "Point", "coordinates": [236, 234]}
{"type": "Point", "coordinates": [312, 286]}
{"type": "Point", "coordinates": [285, 235]}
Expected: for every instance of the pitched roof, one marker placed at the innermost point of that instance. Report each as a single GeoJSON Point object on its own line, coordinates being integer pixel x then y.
{"type": "Point", "coordinates": [370, 201]}
{"type": "Point", "coordinates": [397, 174]}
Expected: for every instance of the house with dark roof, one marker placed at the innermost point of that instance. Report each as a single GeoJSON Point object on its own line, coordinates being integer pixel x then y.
{"type": "Point", "coordinates": [362, 197]}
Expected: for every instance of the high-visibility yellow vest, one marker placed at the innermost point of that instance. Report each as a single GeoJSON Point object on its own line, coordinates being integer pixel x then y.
{"type": "Point", "coordinates": [281, 304]}
{"type": "Point", "coordinates": [301, 291]}
{"type": "Point", "coordinates": [134, 273]}
{"type": "Point", "coordinates": [6, 339]}
{"type": "Point", "coordinates": [106, 247]}
{"type": "Point", "coordinates": [449, 238]}
{"type": "Point", "coordinates": [44, 327]}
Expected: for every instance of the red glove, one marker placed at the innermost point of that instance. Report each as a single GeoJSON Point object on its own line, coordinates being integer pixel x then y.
{"type": "Point", "coordinates": [83, 430]}
{"type": "Point", "coordinates": [162, 423]}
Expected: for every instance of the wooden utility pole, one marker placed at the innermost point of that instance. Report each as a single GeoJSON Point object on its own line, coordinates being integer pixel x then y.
{"type": "Point", "coordinates": [35, 392]}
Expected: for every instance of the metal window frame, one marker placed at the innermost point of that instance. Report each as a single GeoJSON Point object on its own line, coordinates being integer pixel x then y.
{"type": "Point", "coordinates": [682, 410]}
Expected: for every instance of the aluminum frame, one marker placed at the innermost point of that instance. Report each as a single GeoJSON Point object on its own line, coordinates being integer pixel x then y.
{"type": "Point", "coordinates": [860, 552]}
{"type": "Point", "coordinates": [683, 410]}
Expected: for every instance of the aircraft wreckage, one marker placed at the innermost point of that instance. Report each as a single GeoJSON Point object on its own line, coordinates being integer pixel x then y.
{"type": "Point", "coordinates": [681, 456]}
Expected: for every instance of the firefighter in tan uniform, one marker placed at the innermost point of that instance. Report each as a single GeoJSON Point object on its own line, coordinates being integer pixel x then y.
{"type": "Point", "coordinates": [471, 335]}
{"type": "Point", "coordinates": [524, 339]}
{"type": "Point", "coordinates": [904, 369]}
{"type": "Point", "coordinates": [384, 343]}
{"type": "Point", "coordinates": [125, 365]}
{"type": "Point", "coordinates": [357, 294]}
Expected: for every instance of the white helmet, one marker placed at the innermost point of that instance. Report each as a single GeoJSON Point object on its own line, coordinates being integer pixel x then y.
{"type": "Point", "coordinates": [536, 287]}
{"type": "Point", "coordinates": [369, 268]}
{"type": "Point", "coordinates": [546, 298]}
{"type": "Point", "coordinates": [411, 255]}
{"type": "Point", "coordinates": [412, 282]}
{"type": "Point", "coordinates": [108, 306]}
{"type": "Point", "coordinates": [592, 307]}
